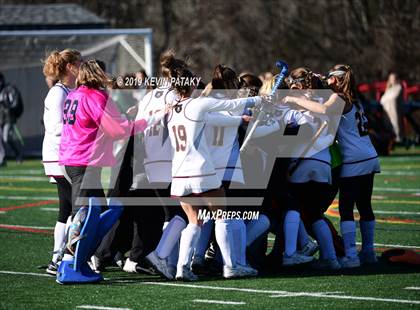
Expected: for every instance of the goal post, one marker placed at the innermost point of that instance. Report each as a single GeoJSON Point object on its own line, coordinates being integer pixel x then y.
{"type": "Point", "coordinates": [22, 51]}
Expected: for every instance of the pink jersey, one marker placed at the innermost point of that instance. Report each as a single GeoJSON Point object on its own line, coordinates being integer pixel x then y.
{"type": "Point", "coordinates": [91, 124]}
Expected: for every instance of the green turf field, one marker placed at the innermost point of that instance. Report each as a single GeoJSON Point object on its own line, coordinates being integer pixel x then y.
{"type": "Point", "coordinates": [28, 209]}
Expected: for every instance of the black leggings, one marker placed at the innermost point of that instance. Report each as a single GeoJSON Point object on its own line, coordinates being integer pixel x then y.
{"type": "Point", "coordinates": [85, 183]}
{"type": "Point", "coordinates": [64, 199]}
{"type": "Point", "coordinates": [356, 190]}
{"type": "Point", "coordinates": [312, 199]}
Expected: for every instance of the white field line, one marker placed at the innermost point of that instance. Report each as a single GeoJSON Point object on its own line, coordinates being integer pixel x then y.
{"type": "Point", "coordinates": [24, 226]}
{"type": "Point", "coordinates": [396, 189]}
{"type": "Point", "coordinates": [416, 288]}
{"type": "Point", "coordinates": [400, 173]}
{"type": "Point", "coordinates": [22, 172]}
{"type": "Point", "coordinates": [100, 307]}
{"type": "Point", "coordinates": [28, 197]}
{"type": "Point", "coordinates": [380, 245]}
{"type": "Point", "coordinates": [220, 302]}
{"type": "Point", "coordinates": [395, 212]}
{"type": "Point", "coordinates": [56, 209]}
{"type": "Point", "coordinates": [24, 178]}
{"type": "Point", "coordinates": [25, 273]}
{"type": "Point", "coordinates": [282, 293]}
{"type": "Point", "coordinates": [245, 290]}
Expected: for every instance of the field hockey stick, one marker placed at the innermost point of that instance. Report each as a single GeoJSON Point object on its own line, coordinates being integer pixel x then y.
{"type": "Point", "coordinates": [307, 148]}
{"type": "Point", "coordinates": [283, 72]}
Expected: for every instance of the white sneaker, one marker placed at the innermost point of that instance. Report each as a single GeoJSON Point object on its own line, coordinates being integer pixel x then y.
{"type": "Point", "coordinates": [94, 264]}
{"type": "Point", "coordinates": [349, 262]}
{"type": "Point", "coordinates": [309, 249]}
{"type": "Point", "coordinates": [248, 271]}
{"type": "Point", "coordinates": [160, 264]}
{"type": "Point", "coordinates": [185, 274]}
{"type": "Point", "coordinates": [130, 266]}
{"type": "Point", "coordinates": [331, 264]}
{"type": "Point", "coordinates": [368, 257]}
{"type": "Point", "coordinates": [296, 259]}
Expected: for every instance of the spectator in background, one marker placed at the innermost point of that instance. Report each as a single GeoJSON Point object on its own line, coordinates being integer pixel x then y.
{"type": "Point", "coordinates": [11, 108]}
{"type": "Point", "coordinates": [392, 101]}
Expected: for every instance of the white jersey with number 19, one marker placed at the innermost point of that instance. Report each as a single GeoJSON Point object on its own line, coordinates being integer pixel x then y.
{"type": "Point", "coordinates": [193, 171]}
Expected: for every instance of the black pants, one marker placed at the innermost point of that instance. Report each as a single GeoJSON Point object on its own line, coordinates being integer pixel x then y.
{"type": "Point", "coordinates": [312, 199]}
{"type": "Point", "coordinates": [356, 190]}
{"type": "Point", "coordinates": [85, 183]}
{"type": "Point", "coordinates": [64, 199]}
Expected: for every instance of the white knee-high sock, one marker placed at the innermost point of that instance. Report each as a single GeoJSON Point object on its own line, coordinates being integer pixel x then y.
{"type": "Point", "coordinates": [170, 236]}
{"type": "Point", "coordinates": [224, 238]}
{"type": "Point", "coordinates": [239, 236]}
{"type": "Point", "coordinates": [203, 242]}
{"type": "Point", "coordinates": [348, 231]}
{"type": "Point", "coordinates": [256, 228]}
{"type": "Point", "coordinates": [303, 237]}
{"type": "Point", "coordinates": [189, 238]}
{"type": "Point", "coordinates": [324, 237]}
{"type": "Point", "coordinates": [291, 229]}
{"type": "Point", "coordinates": [367, 229]}
{"type": "Point", "coordinates": [59, 239]}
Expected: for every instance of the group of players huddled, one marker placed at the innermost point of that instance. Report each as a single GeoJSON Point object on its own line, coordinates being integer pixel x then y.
{"type": "Point", "coordinates": [181, 143]}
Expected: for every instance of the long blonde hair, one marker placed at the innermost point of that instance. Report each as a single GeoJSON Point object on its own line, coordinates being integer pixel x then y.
{"type": "Point", "coordinates": [55, 64]}
{"type": "Point", "coordinates": [92, 76]}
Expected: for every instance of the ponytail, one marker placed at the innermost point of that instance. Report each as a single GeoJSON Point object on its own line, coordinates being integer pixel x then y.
{"type": "Point", "coordinates": [168, 63]}
{"type": "Point", "coordinates": [55, 64]}
{"type": "Point", "coordinates": [346, 84]}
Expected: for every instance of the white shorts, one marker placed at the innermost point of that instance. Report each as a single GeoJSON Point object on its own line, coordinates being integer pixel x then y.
{"type": "Point", "coordinates": [185, 186]}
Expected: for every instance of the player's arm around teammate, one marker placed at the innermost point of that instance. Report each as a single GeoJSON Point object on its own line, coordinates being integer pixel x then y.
{"type": "Point", "coordinates": [360, 163]}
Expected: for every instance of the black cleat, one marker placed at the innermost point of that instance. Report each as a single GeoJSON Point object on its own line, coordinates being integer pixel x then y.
{"type": "Point", "coordinates": [52, 269]}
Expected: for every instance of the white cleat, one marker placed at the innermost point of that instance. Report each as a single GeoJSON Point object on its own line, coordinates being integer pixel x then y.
{"type": "Point", "coordinates": [161, 265]}
{"type": "Point", "coordinates": [349, 262]}
{"type": "Point", "coordinates": [248, 270]}
{"type": "Point", "coordinates": [238, 272]}
{"type": "Point", "coordinates": [130, 266]}
{"type": "Point", "coordinates": [296, 259]}
{"type": "Point", "coordinates": [309, 249]}
{"type": "Point", "coordinates": [185, 274]}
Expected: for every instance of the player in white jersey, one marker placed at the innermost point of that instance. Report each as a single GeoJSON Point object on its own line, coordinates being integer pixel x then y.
{"type": "Point", "coordinates": [360, 163]}
{"type": "Point", "coordinates": [158, 167]}
{"type": "Point", "coordinates": [222, 138]}
{"type": "Point", "coordinates": [62, 67]}
{"type": "Point", "coordinates": [193, 172]}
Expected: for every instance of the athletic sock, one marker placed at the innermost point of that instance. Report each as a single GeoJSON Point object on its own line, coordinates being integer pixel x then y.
{"type": "Point", "coordinates": [239, 236]}
{"type": "Point", "coordinates": [324, 237]}
{"type": "Point", "coordinates": [203, 242]}
{"type": "Point", "coordinates": [189, 238]}
{"type": "Point", "coordinates": [59, 239]}
{"type": "Point", "coordinates": [367, 229]}
{"type": "Point", "coordinates": [348, 231]}
{"type": "Point", "coordinates": [291, 228]}
{"type": "Point", "coordinates": [224, 238]}
{"type": "Point", "coordinates": [170, 236]}
{"type": "Point", "coordinates": [256, 228]}
{"type": "Point", "coordinates": [303, 237]}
